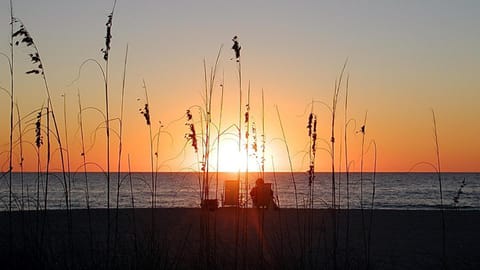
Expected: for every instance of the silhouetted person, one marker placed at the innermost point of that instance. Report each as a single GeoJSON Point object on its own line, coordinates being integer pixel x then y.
{"type": "Point", "coordinates": [262, 195]}
{"type": "Point", "coordinates": [236, 47]}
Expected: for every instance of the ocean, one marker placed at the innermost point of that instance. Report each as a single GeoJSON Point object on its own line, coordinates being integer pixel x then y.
{"type": "Point", "coordinates": [403, 191]}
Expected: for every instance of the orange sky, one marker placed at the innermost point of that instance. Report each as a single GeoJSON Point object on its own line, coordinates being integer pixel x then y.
{"type": "Point", "coordinates": [405, 59]}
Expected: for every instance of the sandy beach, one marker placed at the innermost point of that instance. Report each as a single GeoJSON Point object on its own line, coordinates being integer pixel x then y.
{"type": "Point", "coordinates": [229, 238]}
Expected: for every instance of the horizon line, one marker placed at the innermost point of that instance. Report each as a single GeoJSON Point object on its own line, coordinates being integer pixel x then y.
{"type": "Point", "coordinates": [251, 172]}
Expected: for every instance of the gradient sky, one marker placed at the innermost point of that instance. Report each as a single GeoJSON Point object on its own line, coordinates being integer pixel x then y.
{"type": "Point", "coordinates": [405, 58]}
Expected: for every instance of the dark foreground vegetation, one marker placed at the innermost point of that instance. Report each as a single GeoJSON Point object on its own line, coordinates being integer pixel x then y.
{"type": "Point", "coordinates": [269, 239]}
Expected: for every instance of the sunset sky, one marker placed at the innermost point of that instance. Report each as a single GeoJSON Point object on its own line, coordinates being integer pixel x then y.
{"type": "Point", "coordinates": [405, 58]}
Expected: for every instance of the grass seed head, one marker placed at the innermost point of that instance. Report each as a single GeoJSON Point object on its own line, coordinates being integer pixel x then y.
{"type": "Point", "coordinates": [146, 113]}
{"type": "Point", "coordinates": [192, 135]}
{"type": "Point", "coordinates": [38, 134]}
{"type": "Point", "coordinates": [309, 125]}
{"type": "Point", "coordinates": [236, 48]}
{"type": "Point", "coordinates": [108, 37]}
{"type": "Point", "coordinates": [22, 36]}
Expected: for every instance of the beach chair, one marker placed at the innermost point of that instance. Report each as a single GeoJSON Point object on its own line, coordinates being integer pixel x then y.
{"type": "Point", "coordinates": [230, 191]}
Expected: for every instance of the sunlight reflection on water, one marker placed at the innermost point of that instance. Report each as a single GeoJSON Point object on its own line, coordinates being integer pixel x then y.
{"type": "Point", "coordinates": [392, 190]}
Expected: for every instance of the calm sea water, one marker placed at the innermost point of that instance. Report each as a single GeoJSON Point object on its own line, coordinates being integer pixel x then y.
{"type": "Point", "coordinates": [392, 190]}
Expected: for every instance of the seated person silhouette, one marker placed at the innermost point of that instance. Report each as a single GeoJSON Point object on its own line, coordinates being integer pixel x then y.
{"type": "Point", "coordinates": [262, 195]}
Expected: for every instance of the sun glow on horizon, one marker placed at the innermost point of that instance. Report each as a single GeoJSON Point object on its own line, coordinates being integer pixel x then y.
{"type": "Point", "coordinates": [233, 160]}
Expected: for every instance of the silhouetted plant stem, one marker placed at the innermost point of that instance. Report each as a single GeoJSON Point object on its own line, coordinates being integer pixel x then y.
{"type": "Point", "coordinates": [47, 168]}
{"type": "Point", "coordinates": [85, 174]}
{"type": "Point", "coordinates": [332, 140]}
{"type": "Point", "coordinates": [120, 137]}
{"type": "Point", "coordinates": [362, 130]}
{"type": "Point", "coordinates": [209, 86]}
{"type": "Point", "coordinates": [12, 95]}
{"type": "Point", "coordinates": [247, 140]}
{"type": "Point", "coordinates": [312, 137]}
{"type": "Point", "coordinates": [25, 38]}
{"type": "Point", "coordinates": [336, 93]}
{"type": "Point", "coordinates": [20, 142]}
{"type": "Point", "coordinates": [222, 87]}
{"type": "Point", "coordinates": [347, 175]}
{"type": "Point", "coordinates": [68, 188]}
{"type": "Point", "coordinates": [289, 157]}
{"type": "Point", "coordinates": [157, 147]}
{"type": "Point", "coordinates": [133, 214]}
{"type": "Point", "coordinates": [106, 53]}
{"type": "Point", "coordinates": [370, 227]}
{"type": "Point", "coordinates": [439, 174]}
{"type": "Point", "coordinates": [263, 137]}
{"type": "Point", "coordinates": [237, 215]}
{"type": "Point", "coordinates": [262, 170]}
{"type": "Point", "coordinates": [146, 113]}
{"type": "Point", "coordinates": [38, 144]}
{"type": "Point", "coordinates": [275, 183]}
{"type": "Point", "coordinates": [245, 221]}
{"type": "Point", "coordinates": [37, 208]}
{"type": "Point", "coordinates": [292, 175]}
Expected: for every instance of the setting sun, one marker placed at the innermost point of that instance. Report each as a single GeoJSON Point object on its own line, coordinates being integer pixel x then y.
{"type": "Point", "coordinates": [231, 160]}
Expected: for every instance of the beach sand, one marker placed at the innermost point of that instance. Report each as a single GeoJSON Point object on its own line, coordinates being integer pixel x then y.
{"type": "Point", "coordinates": [229, 238]}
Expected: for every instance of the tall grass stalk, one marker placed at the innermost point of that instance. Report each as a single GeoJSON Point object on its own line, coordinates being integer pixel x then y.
{"type": "Point", "coordinates": [347, 176]}
{"type": "Point", "coordinates": [69, 188]}
{"type": "Point", "coordinates": [120, 132]}
{"type": "Point", "coordinates": [236, 47]}
{"type": "Point", "coordinates": [262, 171]}
{"type": "Point", "coordinates": [47, 170]}
{"type": "Point", "coordinates": [282, 254]}
{"type": "Point", "coordinates": [146, 113]}
{"type": "Point", "coordinates": [312, 138]}
{"type": "Point", "coordinates": [247, 136]}
{"type": "Point", "coordinates": [439, 174]}
{"type": "Point", "coordinates": [133, 213]}
{"type": "Point", "coordinates": [25, 38]}
{"type": "Point", "coordinates": [20, 144]}
{"type": "Point", "coordinates": [157, 147]}
{"type": "Point", "coordinates": [38, 144]}
{"type": "Point", "coordinates": [85, 174]}
{"type": "Point", "coordinates": [292, 175]}
{"type": "Point", "coordinates": [336, 93]}
{"type": "Point", "coordinates": [362, 154]}
{"type": "Point", "coordinates": [47, 165]}
{"type": "Point", "coordinates": [120, 137]}
{"type": "Point", "coordinates": [12, 94]}
{"type": "Point", "coordinates": [237, 214]}
{"type": "Point", "coordinates": [262, 168]}
{"type": "Point", "coordinates": [209, 87]}
{"type": "Point", "coordinates": [222, 87]}
{"type": "Point", "coordinates": [106, 54]}
{"type": "Point", "coordinates": [247, 141]}
{"type": "Point", "coordinates": [332, 140]}
{"type": "Point", "coordinates": [370, 226]}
